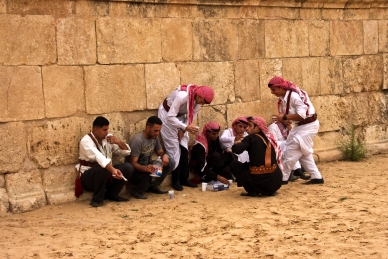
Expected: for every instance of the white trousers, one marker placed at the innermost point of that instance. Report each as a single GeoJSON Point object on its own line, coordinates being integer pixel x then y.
{"type": "Point", "coordinates": [299, 145]}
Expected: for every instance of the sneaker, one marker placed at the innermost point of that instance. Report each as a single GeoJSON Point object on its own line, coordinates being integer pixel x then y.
{"type": "Point", "coordinates": [315, 181]}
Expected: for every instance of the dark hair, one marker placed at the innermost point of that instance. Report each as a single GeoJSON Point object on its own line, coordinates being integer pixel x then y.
{"type": "Point", "coordinates": [151, 121]}
{"type": "Point", "coordinates": [100, 122]}
{"type": "Point", "coordinates": [250, 118]}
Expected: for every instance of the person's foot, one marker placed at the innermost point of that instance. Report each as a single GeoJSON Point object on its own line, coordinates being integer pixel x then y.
{"type": "Point", "coordinates": [250, 194]}
{"type": "Point", "coordinates": [177, 186]}
{"type": "Point", "coordinates": [156, 189]}
{"type": "Point", "coordinates": [95, 204]}
{"type": "Point", "coordinates": [301, 174]}
{"type": "Point", "coordinates": [189, 184]}
{"type": "Point", "coordinates": [315, 181]}
{"type": "Point", "coordinates": [116, 198]}
{"type": "Point", "coordinates": [293, 177]}
{"type": "Point", "coordinates": [138, 195]}
{"type": "Point", "coordinates": [284, 182]}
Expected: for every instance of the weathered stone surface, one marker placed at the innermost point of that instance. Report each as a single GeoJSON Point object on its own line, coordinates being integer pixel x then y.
{"type": "Point", "coordinates": [3, 6]}
{"type": "Point", "coordinates": [161, 80]}
{"type": "Point", "coordinates": [332, 111]}
{"type": "Point", "coordinates": [250, 39]}
{"type": "Point", "coordinates": [286, 39]}
{"type": "Point", "coordinates": [58, 184]}
{"type": "Point", "coordinates": [371, 37]}
{"type": "Point", "coordinates": [2, 181]}
{"type": "Point", "coordinates": [12, 147]}
{"type": "Point", "coordinates": [327, 141]}
{"type": "Point", "coordinates": [268, 69]}
{"type": "Point", "coordinates": [378, 13]}
{"type": "Point", "coordinates": [278, 13]}
{"type": "Point", "coordinates": [376, 133]}
{"type": "Point", "coordinates": [27, 40]}
{"type": "Point", "coordinates": [311, 14]}
{"type": "Point", "coordinates": [356, 14]}
{"type": "Point", "coordinates": [304, 72]}
{"type": "Point", "coordinates": [114, 88]}
{"type": "Point", "coordinates": [377, 108]}
{"type": "Point", "coordinates": [76, 41]}
{"type": "Point", "coordinates": [176, 39]}
{"type": "Point", "coordinates": [264, 109]}
{"type": "Point", "coordinates": [215, 40]}
{"type": "Point", "coordinates": [125, 40]}
{"type": "Point", "coordinates": [385, 71]}
{"type": "Point", "coordinates": [55, 143]}
{"type": "Point", "coordinates": [363, 73]}
{"type": "Point", "coordinates": [370, 108]}
{"type": "Point", "coordinates": [23, 93]}
{"type": "Point", "coordinates": [218, 75]}
{"type": "Point", "coordinates": [25, 191]}
{"type": "Point", "coordinates": [248, 12]}
{"type": "Point", "coordinates": [123, 9]}
{"type": "Point", "coordinates": [61, 81]}
{"type": "Point", "coordinates": [332, 14]}
{"type": "Point", "coordinates": [319, 38]}
{"type": "Point", "coordinates": [215, 113]}
{"type": "Point", "coordinates": [331, 76]}
{"type": "Point", "coordinates": [383, 36]}
{"type": "Point", "coordinates": [95, 8]}
{"type": "Point", "coordinates": [346, 38]}
{"type": "Point", "coordinates": [49, 7]}
{"type": "Point", "coordinates": [247, 81]}
{"type": "Point", "coordinates": [209, 11]}
{"type": "Point", "coordinates": [4, 204]}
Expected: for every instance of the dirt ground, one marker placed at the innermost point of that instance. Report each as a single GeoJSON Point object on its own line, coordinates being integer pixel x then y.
{"type": "Point", "coordinates": [347, 217]}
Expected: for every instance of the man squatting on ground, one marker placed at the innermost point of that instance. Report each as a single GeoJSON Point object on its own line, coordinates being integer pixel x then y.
{"type": "Point", "coordinates": [207, 158]}
{"type": "Point", "coordinates": [98, 175]}
{"type": "Point", "coordinates": [177, 113]}
{"type": "Point", "coordinates": [262, 150]}
{"type": "Point", "coordinates": [143, 145]}
{"type": "Point", "coordinates": [294, 104]}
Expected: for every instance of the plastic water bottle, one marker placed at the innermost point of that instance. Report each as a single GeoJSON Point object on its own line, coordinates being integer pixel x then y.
{"type": "Point", "coordinates": [158, 166]}
{"type": "Point", "coordinates": [220, 187]}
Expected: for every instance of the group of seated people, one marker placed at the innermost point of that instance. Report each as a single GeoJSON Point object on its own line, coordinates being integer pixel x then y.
{"type": "Point", "coordinates": [237, 154]}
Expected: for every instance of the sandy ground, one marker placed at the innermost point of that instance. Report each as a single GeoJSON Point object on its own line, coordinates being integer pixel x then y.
{"type": "Point", "coordinates": [347, 217]}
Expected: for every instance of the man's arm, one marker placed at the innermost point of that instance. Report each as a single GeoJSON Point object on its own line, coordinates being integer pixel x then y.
{"type": "Point", "coordinates": [165, 158]}
{"type": "Point", "coordinates": [140, 168]}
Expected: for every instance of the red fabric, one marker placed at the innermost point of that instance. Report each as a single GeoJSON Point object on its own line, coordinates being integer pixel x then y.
{"type": "Point", "coordinates": [282, 129]}
{"type": "Point", "coordinates": [78, 190]}
{"type": "Point", "coordinates": [192, 90]}
{"type": "Point", "coordinates": [201, 138]}
{"type": "Point", "coordinates": [277, 81]}
{"type": "Point", "coordinates": [239, 119]}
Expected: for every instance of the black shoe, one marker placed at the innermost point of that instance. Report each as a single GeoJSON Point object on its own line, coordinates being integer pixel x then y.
{"type": "Point", "coordinates": [293, 177]}
{"type": "Point", "coordinates": [250, 194]}
{"type": "Point", "coordinates": [156, 189]}
{"type": "Point", "coordinates": [115, 198]}
{"type": "Point", "coordinates": [95, 204]}
{"type": "Point", "coordinates": [315, 181]}
{"type": "Point", "coordinates": [300, 173]}
{"type": "Point", "coordinates": [138, 195]}
{"type": "Point", "coordinates": [284, 182]}
{"type": "Point", "coordinates": [189, 184]}
{"type": "Point", "coordinates": [177, 186]}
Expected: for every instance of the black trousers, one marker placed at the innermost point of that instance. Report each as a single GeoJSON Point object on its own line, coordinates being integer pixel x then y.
{"type": "Point", "coordinates": [181, 173]}
{"type": "Point", "coordinates": [99, 181]}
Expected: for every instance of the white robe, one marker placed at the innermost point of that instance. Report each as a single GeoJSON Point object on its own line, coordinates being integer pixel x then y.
{"type": "Point", "coordinates": [227, 141]}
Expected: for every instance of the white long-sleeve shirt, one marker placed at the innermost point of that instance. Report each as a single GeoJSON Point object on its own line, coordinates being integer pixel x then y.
{"type": "Point", "coordinates": [227, 140]}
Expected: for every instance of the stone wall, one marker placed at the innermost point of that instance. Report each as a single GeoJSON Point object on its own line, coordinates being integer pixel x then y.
{"type": "Point", "coordinates": [62, 63]}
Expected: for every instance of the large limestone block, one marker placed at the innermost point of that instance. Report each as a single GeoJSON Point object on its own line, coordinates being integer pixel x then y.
{"type": "Point", "coordinates": [371, 37]}
{"type": "Point", "coordinates": [56, 143]}
{"type": "Point", "coordinates": [218, 75]}
{"type": "Point", "coordinates": [332, 14]}
{"type": "Point", "coordinates": [2, 181]}
{"type": "Point", "coordinates": [356, 14]}
{"type": "Point", "coordinates": [215, 113]}
{"type": "Point", "coordinates": [378, 13]}
{"type": "Point", "coordinates": [364, 109]}
{"type": "Point", "coordinates": [346, 38]}
{"type": "Point", "coordinates": [377, 108]}
{"type": "Point", "coordinates": [58, 183]}
{"type": "Point", "coordinates": [250, 39]}
{"type": "Point", "coordinates": [25, 191]}
{"type": "Point", "coordinates": [126, 9]}
{"type": "Point", "coordinates": [161, 80]}
{"type": "Point", "coordinates": [264, 109]}
{"type": "Point", "coordinates": [176, 37]}
{"type": "Point", "coordinates": [76, 41]}
{"type": "Point", "coordinates": [383, 35]}
{"type": "Point", "coordinates": [319, 38]}
{"type": "Point", "coordinates": [4, 203]}
{"type": "Point", "coordinates": [326, 141]}
{"type": "Point", "coordinates": [128, 40]}
{"type": "Point", "coordinates": [331, 75]}
{"type": "Point", "coordinates": [385, 71]}
{"type": "Point", "coordinates": [376, 133]}
{"type": "Point", "coordinates": [114, 88]}
{"type": "Point", "coordinates": [50, 7]}
{"type": "Point", "coordinates": [247, 80]}
{"type": "Point", "coordinates": [22, 93]}
{"type": "Point", "coordinates": [60, 82]}
{"type": "Point", "coordinates": [215, 40]}
{"type": "Point", "coordinates": [28, 40]}
{"type": "Point", "coordinates": [92, 8]}
{"type": "Point", "coordinates": [12, 147]}
{"type": "Point", "coordinates": [304, 72]}
{"type": "Point", "coordinates": [268, 68]}
{"type": "Point", "coordinates": [286, 38]}
{"type": "Point", "coordinates": [311, 13]}
{"type": "Point", "coordinates": [3, 6]}
{"type": "Point", "coordinates": [364, 73]}
{"type": "Point", "coordinates": [332, 111]}
{"type": "Point", "coordinates": [278, 13]}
